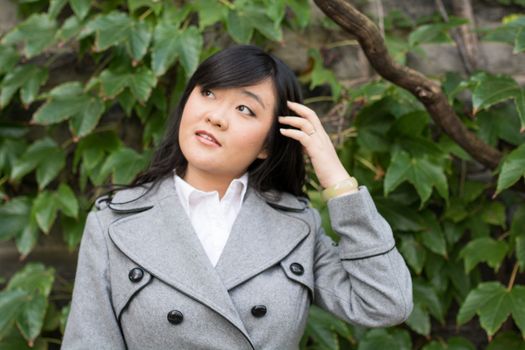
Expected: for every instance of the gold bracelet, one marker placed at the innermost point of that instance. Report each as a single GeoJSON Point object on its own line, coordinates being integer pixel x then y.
{"type": "Point", "coordinates": [348, 185]}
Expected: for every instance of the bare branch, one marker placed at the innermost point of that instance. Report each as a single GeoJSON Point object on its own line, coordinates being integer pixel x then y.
{"type": "Point", "coordinates": [425, 90]}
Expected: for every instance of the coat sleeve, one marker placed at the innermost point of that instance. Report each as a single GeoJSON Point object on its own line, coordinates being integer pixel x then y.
{"type": "Point", "coordinates": [92, 323]}
{"type": "Point", "coordinates": [363, 280]}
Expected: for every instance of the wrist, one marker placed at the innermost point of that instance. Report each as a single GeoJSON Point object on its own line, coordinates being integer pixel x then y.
{"type": "Point", "coordinates": [346, 186]}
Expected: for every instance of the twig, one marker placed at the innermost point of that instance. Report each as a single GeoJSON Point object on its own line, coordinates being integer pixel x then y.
{"type": "Point", "coordinates": [424, 89]}
{"type": "Point", "coordinates": [458, 39]}
{"type": "Point", "coordinates": [513, 276]}
{"type": "Point", "coordinates": [380, 16]}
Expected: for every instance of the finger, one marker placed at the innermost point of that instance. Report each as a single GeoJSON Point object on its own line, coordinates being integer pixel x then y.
{"type": "Point", "coordinates": [297, 135]}
{"type": "Point", "coordinates": [298, 122]}
{"type": "Point", "coordinates": [305, 112]}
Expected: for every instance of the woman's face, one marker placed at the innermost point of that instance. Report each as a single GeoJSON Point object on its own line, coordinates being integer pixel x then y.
{"type": "Point", "coordinates": [222, 131]}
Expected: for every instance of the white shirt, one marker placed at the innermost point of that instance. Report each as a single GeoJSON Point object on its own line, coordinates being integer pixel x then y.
{"type": "Point", "coordinates": [212, 218]}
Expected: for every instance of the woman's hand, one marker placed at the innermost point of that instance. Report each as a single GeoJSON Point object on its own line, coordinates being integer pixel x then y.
{"type": "Point", "coordinates": [316, 142]}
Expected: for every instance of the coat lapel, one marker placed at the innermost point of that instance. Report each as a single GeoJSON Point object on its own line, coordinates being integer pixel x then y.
{"type": "Point", "coordinates": [159, 237]}
{"type": "Point", "coordinates": [261, 237]}
{"type": "Point", "coordinates": [163, 241]}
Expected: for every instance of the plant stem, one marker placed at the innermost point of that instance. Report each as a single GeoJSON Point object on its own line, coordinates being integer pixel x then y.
{"type": "Point", "coordinates": [52, 340]}
{"type": "Point", "coordinates": [318, 99]}
{"type": "Point", "coordinates": [513, 276]}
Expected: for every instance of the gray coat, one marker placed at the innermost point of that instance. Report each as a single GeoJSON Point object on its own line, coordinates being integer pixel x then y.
{"type": "Point", "coordinates": [144, 281]}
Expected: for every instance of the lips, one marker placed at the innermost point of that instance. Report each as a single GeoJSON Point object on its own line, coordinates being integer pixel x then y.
{"type": "Point", "coordinates": [207, 136]}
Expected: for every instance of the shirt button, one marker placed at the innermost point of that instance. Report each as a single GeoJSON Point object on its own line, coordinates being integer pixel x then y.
{"type": "Point", "coordinates": [175, 317]}
{"type": "Point", "coordinates": [297, 268]}
{"type": "Point", "coordinates": [259, 310]}
{"type": "Point", "coordinates": [136, 274]}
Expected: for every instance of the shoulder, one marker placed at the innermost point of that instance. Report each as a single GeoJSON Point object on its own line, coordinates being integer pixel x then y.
{"type": "Point", "coordinates": [134, 199]}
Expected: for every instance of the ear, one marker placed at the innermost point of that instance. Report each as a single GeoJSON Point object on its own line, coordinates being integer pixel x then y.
{"type": "Point", "coordinates": [263, 154]}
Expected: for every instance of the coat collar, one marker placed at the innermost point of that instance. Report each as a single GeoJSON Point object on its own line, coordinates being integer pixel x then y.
{"type": "Point", "coordinates": [161, 239]}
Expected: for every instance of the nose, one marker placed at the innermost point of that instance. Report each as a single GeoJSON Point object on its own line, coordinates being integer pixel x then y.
{"type": "Point", "coordinates": [216, 119]}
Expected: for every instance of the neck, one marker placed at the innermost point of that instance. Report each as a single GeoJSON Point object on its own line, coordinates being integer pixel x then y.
{"type": "Point", "coordinates": [209, 182]}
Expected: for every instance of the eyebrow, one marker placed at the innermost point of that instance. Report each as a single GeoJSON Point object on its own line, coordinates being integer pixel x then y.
{"type": "Point", "coordinates": [254, 96]}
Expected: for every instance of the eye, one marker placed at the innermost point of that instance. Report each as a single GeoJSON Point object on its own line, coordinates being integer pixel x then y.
{"type": "Point", "coordinates": [206, 92]}
{"type": "Point", "coordinates": [246, 110]}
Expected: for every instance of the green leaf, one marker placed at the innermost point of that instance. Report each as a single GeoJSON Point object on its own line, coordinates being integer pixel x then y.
{"type": "Point", "coordinates": [491, 89]}
{"type": "Point", "coordinates": [52, 319]}
{"type": "Point", "coordinates": [28, 237]}
{"type": "Point", "coordinates": [494, 213]}
{"type": "Point", "coordinates": [94, 147]}
{"type": "Point", "coordinates": [325, 329]}
{"type": "Point", "coordinates": [519, 41]}
{"type": "Point", "coordinates": [55, 7]}
{"type": "Point", "coordinates": [419, 320]}
{"type": "Point", "coordinates": [494, 303]}
{"type": "Point", "coordinates": [84, 121]}
{"type": "Point", "coordinates": [507, 340]}
{"type": "Point", "coordinates": [265, 25]}
{"type": "Point", "coordinates": [321, 75]}
{"type": "Point", "coordinates": [8, 58]}
{"type": "Point", "coordinates": [14, 216]}
{"type": "Point", "coordinates": [420, 172]}
{"type": "Point", "coordinates": [110, 29]}
{"type": "Point", "coordinates": [67, 201]}
{"type": "Point", "coordinates": [10, 304]}
{"type": "Point", "coordinates": [124, 164]}
{"type": "Point", "coordinates": [376, 339]}
{"type": "Point", "coordinates": [517, 296]}
{"type": "Point", "coordinates": [453, 343]}
{"type": "Point", "coordinates": [428, 298]}
{"type": "Point", "coordinates": [156, 6]}
{"type": "Point", "coordinates": [140, 83]}
{"type": "Point", "coordinates": [413, 252]}
{"type": "Point", "coordinates": [28, 78]}
{"type": "Point", "coordinates": [484, 294]}
{"type": "Point", "coordinates": [45, 209]}
{"type": "Point", "coordinates": [71, 27]}
{"type": "Point", "coordinates": [436, 32]}
{"type": "Point", "coordinates": [210, 12]}
{"type": "Point", "coordinates": [170, 43]}
{"type": "Point", "coordinates": [72, 230]}
{"type": "Point", "coordinates": [301, 9]}
{"type": "Point", "coordinates": [520, 107]}
{"type": "Point", "coordinates": [33, 278]}
{"type": "Point", "coordinates": [239, 27]}
{"type": "Point", "coordinates": [138, 41]}
{"type": "Point", "coordinates": [433, 237]}
{"type": "Point", "coordinates": [484, 250]}
{"type": "Point", "coordinates": [80, 7]}
{"type": "Point", "coordinates": [36, 33]}
{"type": "Point", "coordinates": [399, 216]}
{"type": "Point", "coordinates": [512, 170]}
{"type": "Point", "coordinates": [68, 101]}
{"type": "Point", "coordinates": [520, 252]}
{"type": "Point", "coordinates": [31, 317]}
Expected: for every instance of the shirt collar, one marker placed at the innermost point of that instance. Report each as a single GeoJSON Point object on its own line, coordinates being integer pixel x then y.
{"type": "Point", "coordinates": [185, 190]}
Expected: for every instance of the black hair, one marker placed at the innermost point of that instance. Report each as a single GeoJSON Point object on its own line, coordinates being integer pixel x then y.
{"type": "Point", "coordinates": [238, 66]}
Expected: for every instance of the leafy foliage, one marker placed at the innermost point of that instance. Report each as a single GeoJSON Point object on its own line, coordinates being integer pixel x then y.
{"type": "Point", "coordinates": [61, 139]}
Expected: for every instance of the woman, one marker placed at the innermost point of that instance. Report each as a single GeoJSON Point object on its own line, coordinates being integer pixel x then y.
{"type": "Point", "coordinates": [215, 246]}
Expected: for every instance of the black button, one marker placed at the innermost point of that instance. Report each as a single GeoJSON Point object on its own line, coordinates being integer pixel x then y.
{"type": "Point", "coordinates": [175, 317]}
{"type": "Point", "coordinates": [136, 274]}
{"type": "Point", "coordinates": [259, 310]}
{"type": "Point", "coordinates": [297, 268]}
{"type": "Point", "coordinates": [335, 244]}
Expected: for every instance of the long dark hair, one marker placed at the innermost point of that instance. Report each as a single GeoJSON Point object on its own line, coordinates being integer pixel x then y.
{"type": "Point", "coordinates": [239, 66]}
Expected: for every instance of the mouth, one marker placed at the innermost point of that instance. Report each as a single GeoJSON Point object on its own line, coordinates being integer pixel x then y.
{"type": "Point", "coordinates": [207, 138]}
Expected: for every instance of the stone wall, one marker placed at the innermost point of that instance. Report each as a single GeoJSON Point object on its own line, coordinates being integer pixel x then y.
{"type": "Point", "coordinates": [347, 61]}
